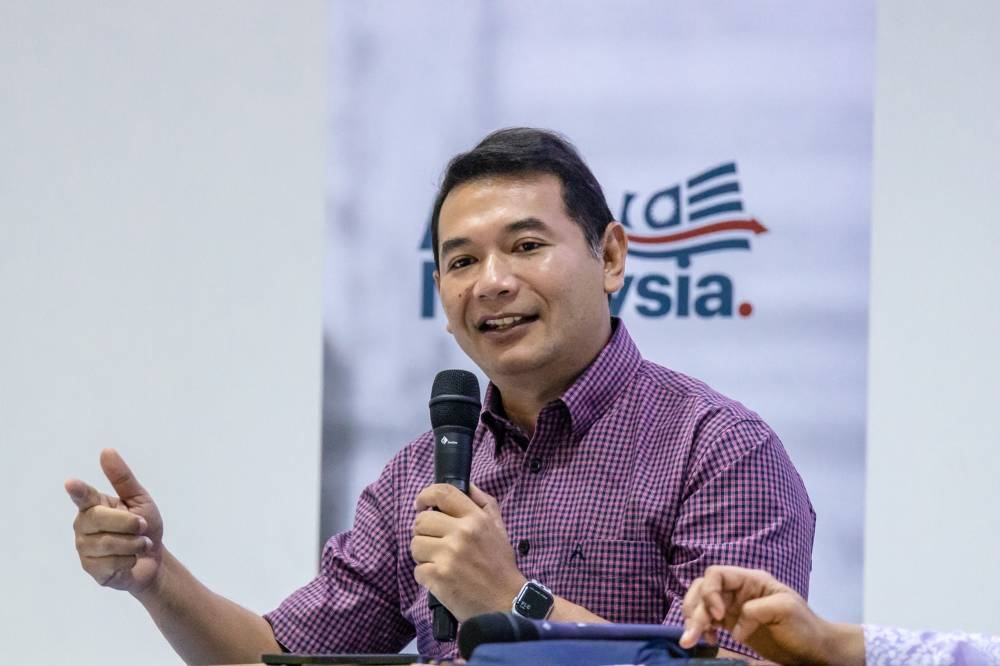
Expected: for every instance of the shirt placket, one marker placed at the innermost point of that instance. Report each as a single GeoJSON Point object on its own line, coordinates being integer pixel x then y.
{"type": "Point", "coordinates": [529, 534]}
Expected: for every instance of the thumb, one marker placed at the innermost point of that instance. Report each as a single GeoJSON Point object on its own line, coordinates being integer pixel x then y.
{"type": "Point", "coordinates": [482, 499]}
{"type": "Point", "coordinates": [83, 494]}
{"type": "Point", "coordinates": [122, 480]}
{"type": "Point", "coordinates": [766, 611]}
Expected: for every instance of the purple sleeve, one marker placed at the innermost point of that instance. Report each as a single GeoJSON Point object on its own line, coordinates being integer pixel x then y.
{"type": "Point", "coordinates": [886, 646]}
{"type": "Point", "coordinates": [353, 603]}
{"type": "Point", "coordinates": [745, 505]}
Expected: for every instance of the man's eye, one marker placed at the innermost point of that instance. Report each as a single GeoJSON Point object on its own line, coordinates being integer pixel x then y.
{"type": "Point", "coordinates": [461, 262]}
{"type": "Point", "coordinates": [528, 246]}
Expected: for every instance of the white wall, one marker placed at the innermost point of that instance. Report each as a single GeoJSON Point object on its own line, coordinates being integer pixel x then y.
{"type": "Point", "coordinates": [933, 532]}
{"type": "Point", "coordinates": [161, 226]}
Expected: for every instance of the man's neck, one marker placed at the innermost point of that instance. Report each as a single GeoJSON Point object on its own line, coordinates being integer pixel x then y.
{"type": "Point", "coordinates": [523, 400]}
{"type": "Point", "coordinates": [523, 397]}
{"type": "Point", "coordinates": [523, 406]}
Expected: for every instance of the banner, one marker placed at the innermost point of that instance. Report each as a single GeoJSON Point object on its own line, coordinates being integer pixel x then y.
{"type": "Point", "coordinates": [732, 139]}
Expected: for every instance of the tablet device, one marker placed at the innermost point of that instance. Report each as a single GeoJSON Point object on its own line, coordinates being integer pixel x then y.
{"type": "Point", "coordinates": [360, 659]}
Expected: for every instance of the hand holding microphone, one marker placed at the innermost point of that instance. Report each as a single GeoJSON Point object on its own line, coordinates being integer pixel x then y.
{"type": "Point", "coordinates": [462, 550]}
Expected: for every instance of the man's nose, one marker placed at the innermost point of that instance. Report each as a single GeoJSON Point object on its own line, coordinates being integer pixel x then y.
{"type": "Point", "coordinates": [496, 280]}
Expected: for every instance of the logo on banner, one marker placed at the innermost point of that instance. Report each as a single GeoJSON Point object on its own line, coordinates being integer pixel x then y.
{"type": "Point", "coordinates": [668, 229]}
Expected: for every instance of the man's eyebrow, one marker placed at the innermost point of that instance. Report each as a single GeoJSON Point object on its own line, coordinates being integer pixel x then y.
{"type": "Point", "coordinates": [453, 244]}
{"type": "Point", "coordinates": [527, 224]}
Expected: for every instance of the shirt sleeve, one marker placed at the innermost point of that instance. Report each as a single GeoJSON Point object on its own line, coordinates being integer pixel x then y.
{"type": "Point", "coordinates": [744, 505]}
{"type": "Point", "coordinates": [353, 604]}
{"type": "Point", "coordinates": [887, 646]}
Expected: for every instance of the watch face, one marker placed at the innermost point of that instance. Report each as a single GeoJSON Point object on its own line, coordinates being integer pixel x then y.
{"type": "Point", "coordinates": [533, 602]}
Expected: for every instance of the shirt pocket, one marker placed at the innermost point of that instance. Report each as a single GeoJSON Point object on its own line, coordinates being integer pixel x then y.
{"type": "Point", "coordinates": [622, 581]}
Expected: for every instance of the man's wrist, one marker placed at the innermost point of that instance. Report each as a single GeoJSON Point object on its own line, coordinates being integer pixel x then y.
{"type": "Point", "coordinates": [153, 593]}
{"type": "Point", "coordinates": [845, 644]}
{"type": "Point", "coordinates": [507, 592]}
{"type": "Point", "coordinates": [534, 601]}
{"type": "Point", "coordinates": [564, 610]}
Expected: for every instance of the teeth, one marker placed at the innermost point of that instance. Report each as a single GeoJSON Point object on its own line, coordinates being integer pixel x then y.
{"type": "Point", "coordinates": [503, 322]}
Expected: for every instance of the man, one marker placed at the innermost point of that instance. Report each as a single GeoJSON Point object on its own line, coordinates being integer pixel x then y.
{"type": "Point", "coordinates": [607, 482]}
{"type": "Point", "coordinates": [775, 621]}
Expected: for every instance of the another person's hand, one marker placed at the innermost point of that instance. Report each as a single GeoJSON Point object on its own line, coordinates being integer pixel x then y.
{"type": "Point", "coordinates": [462, 551]}
{"type": "Point", "coordinates": [767, 616]}
{"type": "Point", "coordinates": [118, 538]}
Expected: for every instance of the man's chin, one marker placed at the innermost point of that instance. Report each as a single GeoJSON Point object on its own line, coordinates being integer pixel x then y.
{"type": "Point", "coordinates": [513, 367]}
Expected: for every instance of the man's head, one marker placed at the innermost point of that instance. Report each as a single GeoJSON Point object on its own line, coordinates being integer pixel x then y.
{"type": "Point", "coordinates": [524, 281]}
{"type": "Point", "coordinates": [525, 151]}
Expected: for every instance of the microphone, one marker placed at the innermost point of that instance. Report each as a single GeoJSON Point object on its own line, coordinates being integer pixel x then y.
{"type": "Point", "coordinates": [455, 411]}
{"type": "Point", "coordinates": [510, 628]}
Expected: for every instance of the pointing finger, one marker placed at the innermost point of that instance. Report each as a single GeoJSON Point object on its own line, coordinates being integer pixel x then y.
{"type": "Point", "coordinates": [692, 598]}
{"type": "Point", "coordinates": [711, 592]}
{"type": "Point", "coordinates": [83, 494]}
{"type": "Point", "coordinates": [120, 476]}
{"type": "Point", "coordinates": [697, 619]}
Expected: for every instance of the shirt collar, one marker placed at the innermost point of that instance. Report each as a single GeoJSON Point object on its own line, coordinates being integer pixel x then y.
{"type": "Point", "coordinates": [588, 397]}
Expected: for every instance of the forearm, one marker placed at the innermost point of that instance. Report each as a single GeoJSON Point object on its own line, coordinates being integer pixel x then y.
{"type": "Point", "coordinates": [565, 610]}
{"type": "Point", "coordinates": [202, 626]}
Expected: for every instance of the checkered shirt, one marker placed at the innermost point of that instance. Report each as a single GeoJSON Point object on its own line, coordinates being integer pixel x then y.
{"type": "Point", "coordinates": [634, 482]}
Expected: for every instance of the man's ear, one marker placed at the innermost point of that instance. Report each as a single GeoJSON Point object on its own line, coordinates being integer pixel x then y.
{"type": "Point", "coordinates": [437, 284]}
{"type": "Point", "coordinates": [614, 250]}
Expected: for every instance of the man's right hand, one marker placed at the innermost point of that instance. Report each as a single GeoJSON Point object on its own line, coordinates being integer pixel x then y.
{"type": "Point", "coordinates": [769, 617]}
{"type": "Point", "coordinates": [119, 538]}
{"type": "Point", "coordinates": [120, 542]}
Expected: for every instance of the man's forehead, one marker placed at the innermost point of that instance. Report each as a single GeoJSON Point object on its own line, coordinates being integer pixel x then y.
{"type": "Point", "coordinates": [518, 192]}
{"type": "Point", "coordinates": [517, 183]}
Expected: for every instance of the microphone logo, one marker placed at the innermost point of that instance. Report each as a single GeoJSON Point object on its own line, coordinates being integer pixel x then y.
{"type": "Point", "coordinates": [446, 441]}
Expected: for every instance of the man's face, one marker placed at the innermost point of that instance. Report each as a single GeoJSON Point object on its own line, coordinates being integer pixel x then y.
{"type": "Point", "coordinates": [524, 294]}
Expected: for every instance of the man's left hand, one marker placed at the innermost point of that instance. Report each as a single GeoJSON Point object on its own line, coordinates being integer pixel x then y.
{"type": "Point", "coordinates": [462, 551]}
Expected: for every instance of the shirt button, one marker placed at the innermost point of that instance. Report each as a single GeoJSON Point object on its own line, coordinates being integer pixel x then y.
{"type": "Point", "coordinates": [523, 546]}
{"type": "Point", "coordinates": [535, 465]}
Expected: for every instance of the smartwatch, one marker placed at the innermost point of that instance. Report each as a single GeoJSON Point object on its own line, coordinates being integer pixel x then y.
{"type": "Point", "coordinates": [534, 601]}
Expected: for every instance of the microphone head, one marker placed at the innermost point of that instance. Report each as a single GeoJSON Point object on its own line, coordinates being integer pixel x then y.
{"type": "Point", "coordinates": [455, 399]}
{"type": "Point", "coordinates": [494, 628]}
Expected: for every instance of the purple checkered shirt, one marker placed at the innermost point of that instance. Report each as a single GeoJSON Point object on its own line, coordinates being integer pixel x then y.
{"type": "Point", "coordinates": [634, 482]}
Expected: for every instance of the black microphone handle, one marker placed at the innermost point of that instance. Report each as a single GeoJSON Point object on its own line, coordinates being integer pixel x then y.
{"type": "Point", "coordinates": [452, 465]}
{"type": "Point", "coordinates": [444, 624]}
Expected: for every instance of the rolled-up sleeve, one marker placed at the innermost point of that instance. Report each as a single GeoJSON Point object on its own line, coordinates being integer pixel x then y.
{"type": "Point", "coordinates": [353, 604]}
{"type": "Point", "coordinates": [744, 505]}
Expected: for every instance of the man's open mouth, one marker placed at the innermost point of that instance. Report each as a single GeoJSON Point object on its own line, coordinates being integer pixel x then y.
{"type": "Point", "coordinates": [504, 323]}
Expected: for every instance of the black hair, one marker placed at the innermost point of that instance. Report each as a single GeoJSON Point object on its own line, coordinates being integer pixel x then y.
{"type": "Point", "coordinates": [525, 151]}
